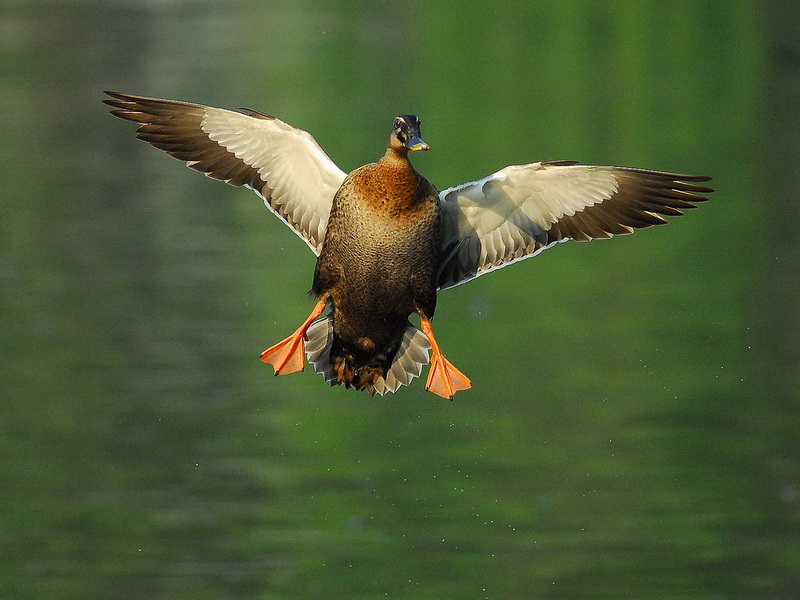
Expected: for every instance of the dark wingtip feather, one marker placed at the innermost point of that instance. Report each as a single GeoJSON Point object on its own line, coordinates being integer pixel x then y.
{"type": "Point", "coordinates": [119, 99]}
{"type": "Point", "coordinates": [256, 114]}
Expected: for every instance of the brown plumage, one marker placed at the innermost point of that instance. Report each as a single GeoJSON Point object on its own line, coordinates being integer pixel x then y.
{"type": "Point", "coordinates": [387, 241]}
{"type": "Point", "coordinates": [377, 276]}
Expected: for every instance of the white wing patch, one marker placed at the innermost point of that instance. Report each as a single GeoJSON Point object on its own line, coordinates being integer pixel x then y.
{"type": "Point", "coordinates": [302, 179]}
{"type": "Point", "coordinates": [521, 210]}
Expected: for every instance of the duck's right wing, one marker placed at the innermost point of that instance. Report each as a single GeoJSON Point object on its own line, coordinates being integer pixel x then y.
{"type": "Point", "coordinates": [521, 210]}
{"type": "Point", "coordinates": [282, 164]}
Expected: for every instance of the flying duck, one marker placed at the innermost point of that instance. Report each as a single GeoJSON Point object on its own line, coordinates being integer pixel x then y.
{"type": "Point", "coordinates": [386, 240]}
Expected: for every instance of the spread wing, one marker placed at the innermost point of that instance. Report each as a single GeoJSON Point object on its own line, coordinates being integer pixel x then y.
{"type": "Point", "coordinates": [282, 164]}
{"type": "Point", "coordinates": [521, 210]}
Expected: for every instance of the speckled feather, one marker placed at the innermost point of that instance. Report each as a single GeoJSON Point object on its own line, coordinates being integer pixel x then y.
{"type": "Point", "coordinates": [377, 276]}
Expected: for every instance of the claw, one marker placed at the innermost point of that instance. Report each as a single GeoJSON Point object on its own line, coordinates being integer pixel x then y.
{"type": "Point", "coordinates": [287, 356]}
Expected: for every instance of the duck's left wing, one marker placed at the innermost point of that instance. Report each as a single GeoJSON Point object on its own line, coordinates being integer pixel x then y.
{"type": "Point", "coordinates": [282, 164]}
{"type": "Point", "coordinates": [521, 210]}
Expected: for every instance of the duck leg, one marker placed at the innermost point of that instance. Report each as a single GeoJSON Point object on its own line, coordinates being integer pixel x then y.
{"type": "Point", "coordinates": [443, 377]}
{"type": "Point", "coordinates": [289, 355]}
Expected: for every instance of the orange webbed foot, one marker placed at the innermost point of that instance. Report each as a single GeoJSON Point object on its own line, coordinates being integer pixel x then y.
{"type": "Point", "coordinates": [289, 355]}
{"type": "Point", "coordinates": [444, 379]}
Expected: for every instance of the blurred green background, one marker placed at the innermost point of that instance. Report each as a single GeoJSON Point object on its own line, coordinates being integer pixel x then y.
{"type": "Point", "coordinates": [633, 427]}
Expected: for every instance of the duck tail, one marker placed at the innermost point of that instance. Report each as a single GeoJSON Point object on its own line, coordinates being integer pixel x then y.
{"type": "Point", "coordinates": [338, 365]}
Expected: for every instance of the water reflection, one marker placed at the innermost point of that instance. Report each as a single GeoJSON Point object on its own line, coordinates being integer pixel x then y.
{"type": "Point", "coordinates": [621, 441]}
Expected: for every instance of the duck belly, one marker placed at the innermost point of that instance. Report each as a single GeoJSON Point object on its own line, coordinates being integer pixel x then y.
{"type": "Point", "coordinates": [375, 277]}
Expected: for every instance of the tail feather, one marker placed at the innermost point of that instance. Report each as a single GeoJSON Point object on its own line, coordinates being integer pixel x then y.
{"type": "Point", "coordinates": [318, 347]}
{"type": "Point", "coordinates": [411, 357]}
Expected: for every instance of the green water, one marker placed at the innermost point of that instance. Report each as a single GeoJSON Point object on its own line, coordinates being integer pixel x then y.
{"type": "Point", "coordinates": [632, 431]}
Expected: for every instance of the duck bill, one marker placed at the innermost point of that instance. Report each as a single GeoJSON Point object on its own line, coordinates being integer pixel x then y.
{"type": "Point", "coordinates": [415, 143]}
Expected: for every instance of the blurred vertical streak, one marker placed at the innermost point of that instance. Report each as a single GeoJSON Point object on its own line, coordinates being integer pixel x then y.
{"type": "Point", "coordinates": [780, 182]}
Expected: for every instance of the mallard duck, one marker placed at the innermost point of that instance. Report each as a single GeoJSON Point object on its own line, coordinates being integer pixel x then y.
{"type": "Point", "coordinates": [386, 240]}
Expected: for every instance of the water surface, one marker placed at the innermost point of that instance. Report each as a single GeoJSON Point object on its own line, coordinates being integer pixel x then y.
{"type": "Point", "coordinates": [632, 428]}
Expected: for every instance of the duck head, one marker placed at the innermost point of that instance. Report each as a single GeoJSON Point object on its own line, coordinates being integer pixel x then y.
{"type": "Point", "coordinates": [405, 134]}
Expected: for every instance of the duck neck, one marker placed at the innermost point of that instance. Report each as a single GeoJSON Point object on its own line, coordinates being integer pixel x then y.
{"type": "Point", "coordinates": [396, 157]}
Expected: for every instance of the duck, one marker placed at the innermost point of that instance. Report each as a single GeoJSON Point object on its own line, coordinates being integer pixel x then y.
{"type": "Point", "coordinates": [386, 240]}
